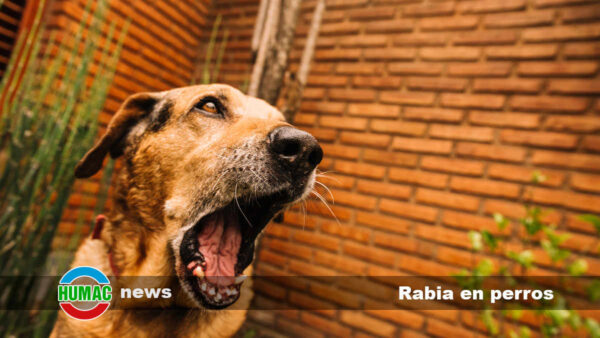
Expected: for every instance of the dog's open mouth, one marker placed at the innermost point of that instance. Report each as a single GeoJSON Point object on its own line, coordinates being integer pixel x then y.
{"type": "Point", "coordinates": [217, 249]}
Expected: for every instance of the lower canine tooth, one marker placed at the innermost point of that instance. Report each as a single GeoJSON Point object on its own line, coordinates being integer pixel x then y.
{"type": "Point", "coordinates": [198, 272]}
{"type": "Point", "coordinates": [234, 292]}
{"type": "Point", "coordinates": [218, 297]}
{"type": "Point", "coordinates": [240, 279]}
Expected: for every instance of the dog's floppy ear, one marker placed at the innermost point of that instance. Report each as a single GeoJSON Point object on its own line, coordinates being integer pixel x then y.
{"type": "Point", "coordinates": [135, 108]}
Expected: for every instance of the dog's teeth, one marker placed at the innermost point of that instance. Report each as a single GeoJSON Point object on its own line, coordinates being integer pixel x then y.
{"type": "Point", "coordinates": [228, 291]}
{"type": "Point", "coordinates": [211, 291]}
{"type": "Point", "coordinates": [240, 279]}
{"type": "Point", "coordinates": [218, 297]}
{"type": "Point", "coordinates": [198, 272]}
{"type": "Point", "coordinates": [203, 286]}
{"type": "Point", "coordinates": [234, 292]}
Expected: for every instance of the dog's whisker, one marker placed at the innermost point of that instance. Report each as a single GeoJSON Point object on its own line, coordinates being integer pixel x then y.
{"type": "Point", "coordinates": [324, 201]}
{"type": "Point", "coordinates": [239, 207]}
{"type": "Point", "coordinates": [327, 189]}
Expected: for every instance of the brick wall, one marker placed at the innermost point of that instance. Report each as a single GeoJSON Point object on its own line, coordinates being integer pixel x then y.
{"type": "Point", "coordinates": [433, 116]}
{"type": "Point", "coordinates": [159, 53]}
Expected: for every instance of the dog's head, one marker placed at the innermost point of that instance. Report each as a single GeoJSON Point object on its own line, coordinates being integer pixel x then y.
{"type": "Point", "coordinates": [221, 164]}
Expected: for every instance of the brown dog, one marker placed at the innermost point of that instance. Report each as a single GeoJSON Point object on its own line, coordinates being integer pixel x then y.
{"type": "Point", "coordinates": [205, 168]}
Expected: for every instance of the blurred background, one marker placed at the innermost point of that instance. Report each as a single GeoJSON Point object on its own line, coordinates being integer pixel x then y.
{"type": "Point", "coordinates": [459, 137]}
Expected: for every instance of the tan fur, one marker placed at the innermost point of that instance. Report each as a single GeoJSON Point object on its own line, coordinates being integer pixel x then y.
{"type": "Point", "coordinates": [166, 173]}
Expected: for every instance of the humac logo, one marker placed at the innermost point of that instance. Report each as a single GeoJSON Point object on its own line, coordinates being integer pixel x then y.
{"type": "Point", "coordinates": [87, 287]}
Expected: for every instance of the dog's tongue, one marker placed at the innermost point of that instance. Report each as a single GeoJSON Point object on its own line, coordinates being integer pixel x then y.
{"type": "Point", "coordinates": [220, 241]}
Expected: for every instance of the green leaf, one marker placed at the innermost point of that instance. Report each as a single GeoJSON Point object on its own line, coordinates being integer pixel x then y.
{"type": "Point", "coordinates": [592, 327]}
{"type": "Point", "coordinates": [484, 268]}
{"type": "Point", "coordinates": [524, 258]}
{"type": "Point", "coordinates": [538, 177]}
{"type": "Point", "coordinates": [555, 238]}
{"type": "Point", "coordinates": [489, 240]}
{"type": "Point", "coordinates": [554, 252]}
{"type": "Point", "coordinates": [475, 238]}
{"type": "Point", "coordinates": [501, 221]}
{"type": "Point", "coordinates": [578, 267]}
{"type": "Point", "coordinates": [592, 219]}
{"type": "Point", "coordinates": [593, 290]}
{"type": "Point", "coordinates": [487, 317]}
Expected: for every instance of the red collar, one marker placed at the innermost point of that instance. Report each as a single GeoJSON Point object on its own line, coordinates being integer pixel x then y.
{"type": "Point", "coordinates": [100, 220]}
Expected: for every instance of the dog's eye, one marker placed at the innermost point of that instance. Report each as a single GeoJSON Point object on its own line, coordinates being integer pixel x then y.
{"type": "Point", "coordinates": [208, 107]}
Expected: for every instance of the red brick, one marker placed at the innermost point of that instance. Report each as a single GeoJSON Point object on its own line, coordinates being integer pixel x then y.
{"type": "Point", "coordinates": [582, 50]}
{"type": "Point", "coordinates": [583, 202]}
{"type": "Point", "coordinates": [485, 187]}
{"type": "Point", "coordinates": [272, 258]}
{"type": "Point", "coordinates": [343, 197]}
{"type": "Point", "coordinates": [384, 189]}
{"type": "Point", "coordinates": [591, 143]}
{"type": "Point", "coordinates": [488, 6]}
{"type": "Point", "coordinates": [325, 325]}
{"type": "Point", "coordinates": [422, 145]}
{"type": "Point", "coordinates": [487, 101]}
{"type": "Point", "coordinates": [580, 14]}
{"type": "Point", "coordinates": [424, 267]}
{"type": "Point", "coordinates": [421, 39]}
{"type": "Point", "coordinates": [467, 133]}
{"type": "Point", "coordinates": [566, 160]}
{"type": "Point", "coordinates": [439, 328]}
{"type": "Point", "coordinates": [447, 199]}
{"type": "Point", "coordinates": [391, 158]}
{"type": "Point", "coordinates": [323, 107]}
{"type": "Point", "coordinates": [362, 40]}
{"type": "Point", "coordinates": [390, 26]}
{"type": "Point", "coordinates": [359, 68]}
{"type": "Point", "coordinates": [432, 114]}
{"type": "Point", "coordinates": [400, 243]}
{"type": "Point", "coordinates": [371, 140]}
{"type": "Point", "coordinates": [321, 134]}
{"type": "Point", "coordinates": [548, 3]}
{"type": "Point", "coordinates": [441, 8]}
{"type": "Point", "coordinates": [352, 94]}
{"type": "Point", "coordinates": [372, 13]}
{"type": "Point", "coordinates": [390, 53]}
{"type": "Point", "coordinates": [451, 23]}
{"type": "Point", "coordinates": [346, 231]}
{"type": "Point", "coordinates": [403, 318]}
{"type": "Point", "coordinates": [520, 19]}
{"type": "Point", "coordinates": [383, 222]}
{"type": "Point", "coordinates": [305, 119]}
{"type": "Point", "coordinates": [360, 169]}
{"type": "Point", "coordinates": [398, 127]}
{"type": "Point", "coordinates": [371, 254]}
{"type": "Point", "coordinates": [517, 120]}
{"type": "Point", "coordinates": [327, 80]}
{"type": "Point", "coordinates": [340, 28]}
{"type": "Point", "coordinates": [557, 68]}
{"type": "Point", "coordinates": [471, 222]}
{"type": "Point", "coordinates": [411, 68]}
{"type": "Point", "coordinates": [373, 110]}
{"type": "Point", "coordinates": [528, 52]}
{"type": "Point", "coordinates": [353, 123]}
{"type": "Point", "coordinates": [436, 84]}
{"type": "Point", "coordinates": [499, 37]}
{"type": "Point", "coordinates": [407, 98]}
{"type": "Point", "coordinates": [317, 240]}
{"type": "Point", "coordinates": [444, 235]}
{"type": "Point", "coordinates": [299, 220]}
{"type": "Point", "coordinates": [489, 69]}
{"type": "Point", "coordinates": [585, 182]}
{"type": "Point", "coordinates": [524, 174]}
{"type": "Point", "coordinates": [574, 86]}
{"type": "Point", "coordinates": [418, 177]}
{"type": "Point", "coordinates": [338, 54]}
{"type": "Point", "coordinates": [452, 165]}
{"type": "Point", "coordinates": [549, 103]}
{"type": "Point", "coordinates": [562, 33]}
{"type": "Point", "coordinates": [377, 81]}
{"type": "Point", "coordinates": [289, 249]}
{"type": "Point", "coordinates": [340, 263]}
{"type": "Point", "coordinates": [408, 210]}
{"type": "Point", "coordinates": [309, 269]}
{"type": "Point", "coordinates": [539, 138]}
{"type": "Point", "coordinates": [361, 321]}
{"type": "Point", "coordinates": [507, 85]}
{"type": "Point", "coordinates": [280, 231]}
{"type": "Point", "coordinates": [337, 150]}
{"type": "Point", "coordinates": [573, 123]}
{"type": "Point", "coordinates": [450, 54]}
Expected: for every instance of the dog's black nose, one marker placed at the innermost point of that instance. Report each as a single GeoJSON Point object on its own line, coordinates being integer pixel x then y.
{"type": "Point", "coordinates": [296, 148]}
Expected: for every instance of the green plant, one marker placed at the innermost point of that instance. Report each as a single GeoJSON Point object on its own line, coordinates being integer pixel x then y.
{"type": "Point", "coordinates": [210, 73]}
{"type": "Point", "coordinates": [49, 119]}
{"type": "Point", "coordinates": [555, 316]}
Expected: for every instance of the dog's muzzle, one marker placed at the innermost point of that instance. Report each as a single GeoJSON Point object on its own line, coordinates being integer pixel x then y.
{"type": "Point", "coordinates": [296, 150]}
